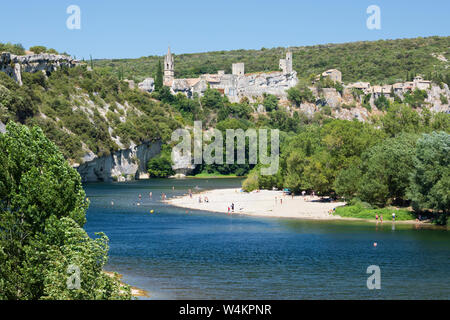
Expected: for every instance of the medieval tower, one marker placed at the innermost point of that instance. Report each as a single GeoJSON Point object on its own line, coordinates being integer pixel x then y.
{"type": "Point", "coordinates": [286, 64]}
{"type": "Point", "coordinates": [169, 67]}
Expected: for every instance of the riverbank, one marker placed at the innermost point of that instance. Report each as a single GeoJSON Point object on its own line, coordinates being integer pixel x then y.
{"type": "Point", "coordinates": [267, 203]}
{"type": "Point", "coordinates": [135, 292]}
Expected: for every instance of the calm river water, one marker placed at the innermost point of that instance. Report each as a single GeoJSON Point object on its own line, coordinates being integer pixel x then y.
{"type": "Point", "coordinates": [202, 255]}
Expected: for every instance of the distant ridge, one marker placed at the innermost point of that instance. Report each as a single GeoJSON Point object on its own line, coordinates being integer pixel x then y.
{"type": "Point", "coordinates": [378, 62]}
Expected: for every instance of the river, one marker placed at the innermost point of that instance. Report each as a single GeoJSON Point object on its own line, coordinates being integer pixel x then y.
{"type": "Point", "coordinates": [174, 254]}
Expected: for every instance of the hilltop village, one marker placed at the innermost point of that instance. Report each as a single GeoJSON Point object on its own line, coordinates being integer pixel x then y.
{"type": "Point", "coordinates": [235, 86]}
{"type": "Point", "coordinates": [353, 100]}
{"type": "Point", "coordinates": [253, 86]}
{"type": "Point", "coordinates": [105, 125]}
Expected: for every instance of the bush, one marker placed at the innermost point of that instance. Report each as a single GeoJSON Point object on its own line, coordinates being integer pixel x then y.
{"type": "Point", "coordinates": [366, 213]}
{"type": "Point", "coordinates": [161, 166]}
{"type": "Point", "coordinates": [16, 49]}
{"type": "Point", "coordinates": [251, 183]}
{"type": "Point", "coordinates": [38, 49]}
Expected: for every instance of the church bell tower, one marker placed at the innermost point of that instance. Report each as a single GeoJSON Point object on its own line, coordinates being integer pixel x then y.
{"type": "Point", "coordinates": [169, 69]}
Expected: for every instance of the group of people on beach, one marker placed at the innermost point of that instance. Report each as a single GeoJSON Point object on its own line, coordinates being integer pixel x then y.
{"type": "Point", "coordinates": [381, 217]}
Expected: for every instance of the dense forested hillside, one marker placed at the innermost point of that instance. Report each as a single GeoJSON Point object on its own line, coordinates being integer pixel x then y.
{"type": "Point", "coordinates": [85, 111]}
{"type": "Point", "coordinates": [384, 61]}
{"type": "Point", "coordinates": [387, 159]}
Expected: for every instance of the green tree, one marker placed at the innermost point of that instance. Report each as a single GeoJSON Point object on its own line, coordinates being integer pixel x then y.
{"type": "Point", "coordinates": [300, 94]}
{"type": "Point", "coordinates": [212, 99]}
{"type": "Point", "coordinates": [161, 166]}
{"type": "Point", "coordinates": [42, 212]}
{"type": "Point", "coordinates": [386, 168]}
{"type": "Point", "coordinates": [159, 77]}
{"type": "Point", "coordinates": [430, 179]}
{"type": "Point", "coordinates": [270, 102]}
{"type": "Point", "coordinates": [347, 181]}
{"type": "Point", "coordinates": [400, 118]}
{"type": "Point", "coordinates": [38, 49]}
{"type": "Point", "coordinates": [382, 103]}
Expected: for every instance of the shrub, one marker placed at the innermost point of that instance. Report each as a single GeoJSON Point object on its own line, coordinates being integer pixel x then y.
{"type": "Point", "coordinates": [160, 166]}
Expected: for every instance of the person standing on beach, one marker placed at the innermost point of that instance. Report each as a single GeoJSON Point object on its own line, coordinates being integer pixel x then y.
{"type": "Point", "coordinates": [232, 207]}
{"type": "Point", "coordinates": [150, 195]}
{"type": "Point", "coordinates": [281, 200]}
{"type": "Point", "coordinates": [381, 218]}
{"type": "Point", "coordinates": [376, 217]}
{"type": "Point", "coordinates": [393, 216]}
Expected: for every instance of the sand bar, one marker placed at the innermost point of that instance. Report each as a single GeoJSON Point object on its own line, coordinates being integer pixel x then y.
{"type": "Point", "coordinates": [263, 203]}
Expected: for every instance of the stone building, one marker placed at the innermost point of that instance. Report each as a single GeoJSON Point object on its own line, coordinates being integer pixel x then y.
{"type": "Point", "coordinates": [333, 74]}
{"type": "Point", "coordinates": [421, 84]}
{"type": "Point", "coordinates": [286, 64]}
{"type": "Point", "coordinates": [235, 85]}
{"type": "Point", "coordinates": [238, 69]}
{"type": "Point", "coordinates": [169, 67]}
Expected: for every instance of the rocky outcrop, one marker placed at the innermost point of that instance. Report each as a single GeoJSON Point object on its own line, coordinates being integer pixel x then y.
{"type": "Point", "coordinates": [122, 165]}
{"type": "Point", "coordinates": [255, 85]}
{"type": "Point", "coordinates": [147, 85]}
{"type": "Point", "coordinates": [434, 98]}
{"type": "Point", "coordinates": [14, 65]}
{"type": "Point", "coordinates": [182, 165]}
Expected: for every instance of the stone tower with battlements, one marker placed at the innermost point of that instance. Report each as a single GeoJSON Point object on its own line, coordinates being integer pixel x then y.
{"type": "Point", "coordinates": [169, 67]}
{"type": "Point", "coordinates": [286, 64]}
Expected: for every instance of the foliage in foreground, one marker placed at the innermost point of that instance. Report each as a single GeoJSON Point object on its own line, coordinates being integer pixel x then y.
{"type": "Point", "coordinates": [42, 212]}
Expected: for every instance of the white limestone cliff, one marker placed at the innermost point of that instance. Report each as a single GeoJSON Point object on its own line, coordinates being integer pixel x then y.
{"type": "Point", "coordinates": [14, 65]}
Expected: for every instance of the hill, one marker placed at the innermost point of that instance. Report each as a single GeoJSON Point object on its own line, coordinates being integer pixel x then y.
{"type": "Point", "coordinates": [85, 112]}
{"type": "Point", "coordinates": [383, 61]}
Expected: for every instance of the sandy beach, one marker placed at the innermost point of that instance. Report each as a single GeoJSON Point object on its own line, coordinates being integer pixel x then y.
{"type": "Point", "coordinates": [264, 203]}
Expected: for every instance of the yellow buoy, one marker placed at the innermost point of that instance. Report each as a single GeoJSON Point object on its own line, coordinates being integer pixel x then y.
{"type": "Point", "coordinates": [151, 211]}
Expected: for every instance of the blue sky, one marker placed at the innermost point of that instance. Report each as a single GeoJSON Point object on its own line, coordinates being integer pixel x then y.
{"type": "Point", "coordinates": [135, 28]}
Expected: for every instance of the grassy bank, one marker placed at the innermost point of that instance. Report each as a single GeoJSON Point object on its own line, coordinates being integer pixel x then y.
{"type": "Point", "coordinates": [367, 213]}
{"type": "Point", "coordinates": [216, 175]}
